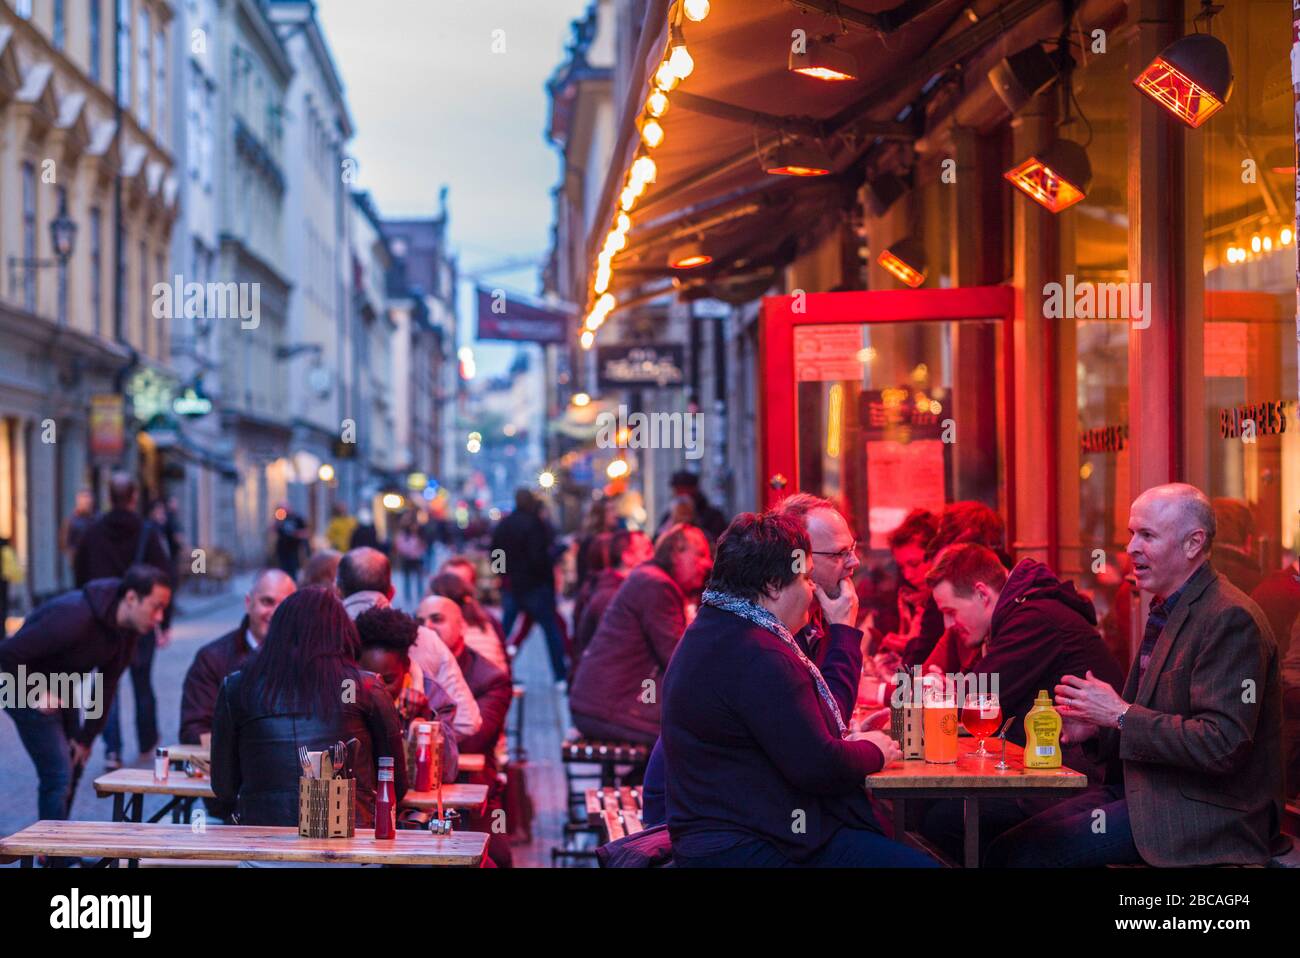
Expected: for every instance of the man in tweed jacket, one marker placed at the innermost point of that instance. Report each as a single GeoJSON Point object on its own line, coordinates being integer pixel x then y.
{"type": "Point", "coordinates": [1195, 741]}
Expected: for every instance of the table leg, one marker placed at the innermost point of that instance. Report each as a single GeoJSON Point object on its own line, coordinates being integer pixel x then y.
{"type": "Point", "coordinates": [119, 807]}
{"type": "Point", "coordinates": [26, 861]}
{"type": "Point", "coordinates": [900, 820]}
{"type": "Point", "coordinates": [972, 833]}
{"type": "Point", "coordinates": [137, 808]}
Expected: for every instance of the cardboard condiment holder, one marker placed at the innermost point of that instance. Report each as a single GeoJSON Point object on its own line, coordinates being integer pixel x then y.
{"type": "Point", "coordinates": [327, 807]}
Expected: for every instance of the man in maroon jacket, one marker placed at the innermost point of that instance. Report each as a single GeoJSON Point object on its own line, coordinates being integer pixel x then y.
{"type": "Point", "coordinates": [615, 693]}
{"type": "Point", "coordinates": [628, 548]}
{"type": "Point", "coordinates": [1024, 631]}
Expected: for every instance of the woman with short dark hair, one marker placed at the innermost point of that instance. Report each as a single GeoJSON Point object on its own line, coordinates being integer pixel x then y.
{"type": "Point", "coordinates": [762, 769]}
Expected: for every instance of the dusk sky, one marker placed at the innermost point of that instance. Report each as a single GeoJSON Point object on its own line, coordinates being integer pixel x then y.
{"type": "Point", "coordinates": [433, 104]}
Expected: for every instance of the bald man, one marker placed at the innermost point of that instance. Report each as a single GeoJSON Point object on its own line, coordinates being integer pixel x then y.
{"type": "Point", "coordinates": [489, 684]}
{"type": "Point", "coordinates": [1196, 733]}
{"type": "Point", "coordinates": [222, 656]}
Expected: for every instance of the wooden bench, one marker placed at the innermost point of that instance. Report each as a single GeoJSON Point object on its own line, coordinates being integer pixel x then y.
{"type": "Point", "coordinates": [608, 757]}
{"type": "Point", "coordinates": [132, 841]}
{"type": "Point", "coordinates": [615, 811]}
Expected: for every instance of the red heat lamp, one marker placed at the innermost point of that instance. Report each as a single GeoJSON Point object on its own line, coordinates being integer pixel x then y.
{"type": "Point", "coordinates": [689, 256]}
{"type": "Point", "coordinates": [905, 261]}
{"type": "Point", "coordinates": [791, 159]}
{"type": "Point", "coordinates": [823, 60]}
{"type": "Point", "coordinates": [1191, 78]}
{"type": "Point", "coordinates": [1055, 178]}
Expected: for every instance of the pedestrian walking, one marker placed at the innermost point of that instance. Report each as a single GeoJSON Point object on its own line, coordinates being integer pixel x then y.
{"type": "Point", "coordinates": [528, 584]}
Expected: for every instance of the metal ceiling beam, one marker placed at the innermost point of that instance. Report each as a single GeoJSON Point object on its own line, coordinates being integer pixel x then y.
{"type": "Point", "coordinates": [707, 106]}
{"type": "Point", "coordinates": [887, 22]}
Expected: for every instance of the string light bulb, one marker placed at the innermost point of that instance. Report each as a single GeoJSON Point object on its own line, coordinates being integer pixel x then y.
{"type": "Point", "coordinates": [586, 339]}
{"type": "Point", "coordinates": [652, 133]}
{"type": "Point", "coordinates": [665, 77]}
{"type": "Point", "coordinates": [696, 10]}
{"type": "Point", "coordinates": [657, 103]}
{"type": "Point", "coordinates": [680, 61]}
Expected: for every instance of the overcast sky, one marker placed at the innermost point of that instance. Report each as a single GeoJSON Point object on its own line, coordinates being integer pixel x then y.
{"type": "Point", "coordinates": [433, 104]}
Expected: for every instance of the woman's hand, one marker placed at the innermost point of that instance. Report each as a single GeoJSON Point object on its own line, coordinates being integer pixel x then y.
{"type": "Point", "coordinates": [881, 740]}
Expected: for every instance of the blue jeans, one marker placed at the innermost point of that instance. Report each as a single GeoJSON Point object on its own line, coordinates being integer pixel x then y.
{"type": "Point", "coordinates": [1067, 835]}
{"type": "Point", "coordinates": [146, 706]}
{"type": "Point", "coordinates": [47, 743]}
{"type": "Point", "coordinates": [539, 602]}
{"type": "Point", "coordinates": [848, 848]}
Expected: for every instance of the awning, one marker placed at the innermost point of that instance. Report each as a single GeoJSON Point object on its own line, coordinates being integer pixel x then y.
{"type": "Point", "coordinates": [741, 102]}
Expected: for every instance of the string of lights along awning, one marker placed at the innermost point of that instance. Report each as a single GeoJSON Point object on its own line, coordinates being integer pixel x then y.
{"type": "Point", "coordinates": [676, 65]}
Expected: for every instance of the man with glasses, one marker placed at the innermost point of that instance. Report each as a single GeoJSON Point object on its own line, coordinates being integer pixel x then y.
{"type": "Point", "coordinates": [833, 560]}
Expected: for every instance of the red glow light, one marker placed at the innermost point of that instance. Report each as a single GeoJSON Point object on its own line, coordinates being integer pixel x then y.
{"type": "Point", "coordinates": [798, 170]}
{"type": "Point", "coordinates": [900, 270]}
{"type": "Point", "coordinates": [1043, 185]}
{"type": "Point", "coordinates": [1177, 93]}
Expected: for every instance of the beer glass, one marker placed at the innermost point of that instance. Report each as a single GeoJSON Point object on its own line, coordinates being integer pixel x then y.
{"type": "Point", "coordinates": [940, 726]}
{"type": "Point", "coordinates": [981, 714]}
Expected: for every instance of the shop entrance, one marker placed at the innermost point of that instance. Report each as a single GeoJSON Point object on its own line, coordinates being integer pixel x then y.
{"type": "Point", "coordinates": [889, 400]}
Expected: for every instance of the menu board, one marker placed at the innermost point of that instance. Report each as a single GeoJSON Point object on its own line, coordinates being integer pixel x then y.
{"type": "Point", "coordinates": [902, 477]}
{"type": "Point", "coordinates": [827, 353]}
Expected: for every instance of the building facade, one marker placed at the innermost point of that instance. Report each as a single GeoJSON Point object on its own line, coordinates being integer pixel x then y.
{"type": "Point", "coordinates": [85, 112]}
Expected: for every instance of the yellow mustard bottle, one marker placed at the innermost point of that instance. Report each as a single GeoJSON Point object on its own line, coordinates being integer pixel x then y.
{"type": "Point", "coordinates": [1043, 734]}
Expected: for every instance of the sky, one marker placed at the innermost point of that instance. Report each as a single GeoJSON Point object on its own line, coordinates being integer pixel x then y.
{"type": "Point", "coordinates": [433, 104]}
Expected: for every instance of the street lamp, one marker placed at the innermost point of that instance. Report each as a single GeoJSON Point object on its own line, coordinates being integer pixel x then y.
{"type": "Point", "coordinates": [63, 240]}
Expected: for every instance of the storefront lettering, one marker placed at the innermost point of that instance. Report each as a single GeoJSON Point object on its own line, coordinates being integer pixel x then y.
{"type": "Point", "coordinates": [1104, 439]}
{"type": "Point", "coordinates": [1269, 419]}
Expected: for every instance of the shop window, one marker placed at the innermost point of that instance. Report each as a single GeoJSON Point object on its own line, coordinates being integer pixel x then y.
{"type": "Point", "coordinates": [1250, 417]}
{"type": "Point", "coordinates": [880, 408]}
{"type": "Point", "coordinates": [1093, 334]}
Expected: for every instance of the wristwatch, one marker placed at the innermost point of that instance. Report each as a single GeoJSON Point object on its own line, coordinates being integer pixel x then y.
{"type": "Point", "coordinates": [1119, 721]}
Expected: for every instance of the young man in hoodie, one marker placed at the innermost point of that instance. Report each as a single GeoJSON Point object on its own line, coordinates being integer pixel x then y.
{"type": "Point", "coordinates": [365, 580]}
{"type": "Point", "coordinates": [92, 628]}
{"type": "Point", "coordinates": [1025, 628]}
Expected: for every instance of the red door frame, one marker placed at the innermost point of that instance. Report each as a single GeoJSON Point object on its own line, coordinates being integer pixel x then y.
{"type": "Point", "coordinates": [777, 402]}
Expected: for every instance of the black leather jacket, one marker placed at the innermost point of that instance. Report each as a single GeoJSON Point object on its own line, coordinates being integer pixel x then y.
{"type": "Point", "coordinates": [255, 751]}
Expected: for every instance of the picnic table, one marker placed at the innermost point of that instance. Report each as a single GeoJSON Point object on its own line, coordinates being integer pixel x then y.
{"type": "Point", "coordinates": [114, 841]}
{"type": "Point", "coordinates": [129, 786]}
{"type": "Point", "coordinates": [970, 778]}
{"type": "Point", "coordinates": [178, 755]}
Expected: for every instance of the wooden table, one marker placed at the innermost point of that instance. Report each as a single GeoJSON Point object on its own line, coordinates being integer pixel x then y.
{"type": "Point", "coordinates": [969, 778]}
{"type": "Point", "coordinates": [472, 798]}
{"type": "Point", "coordinates": [180, 754]}
{"type": "Point", "coordinates": [113, 841]}
{"type": "Point", "coordinates": [129, 786]}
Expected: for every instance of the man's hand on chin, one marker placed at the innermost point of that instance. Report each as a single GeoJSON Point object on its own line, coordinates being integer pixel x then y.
{"type": "Point", "coordinates": [843, 609]}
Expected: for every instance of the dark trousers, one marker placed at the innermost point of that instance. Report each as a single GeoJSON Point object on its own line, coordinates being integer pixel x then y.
{"type": "Point", "coordinates": [539, 602]}
{"type": "Point", "coordinates": [848, 848]}
{"type": "Point", "coordinates": [1088, 831]}
{"type": "Point", "coordinates": [46, 742]}
{"type": "Point", "coordinates": [146, 706]}
{"type": "Point", "coordinates": [944, 821]}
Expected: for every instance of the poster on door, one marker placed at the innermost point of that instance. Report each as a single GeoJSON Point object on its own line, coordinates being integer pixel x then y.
{"type": "Point", "coordinates": [902, 477]}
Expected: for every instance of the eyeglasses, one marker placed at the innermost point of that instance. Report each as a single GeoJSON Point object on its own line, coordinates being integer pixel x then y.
{"type": "Point", "coordinates": [842, 555]}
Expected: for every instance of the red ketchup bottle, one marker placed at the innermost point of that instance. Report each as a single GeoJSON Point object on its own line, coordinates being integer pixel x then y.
{"type": "Point", "coordinates": [385, 804]}
{"type": "Point", "coordinates": [423, 761]}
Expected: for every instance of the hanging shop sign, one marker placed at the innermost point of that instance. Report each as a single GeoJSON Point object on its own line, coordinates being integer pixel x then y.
{"type": "Point", "coordinates": [502, 315]}
{"type": "Point", "coordinates": [1254, 419]}
{"type": "Point", "coordinates": [107, 428]}
{"type": "Point", "coordinates": [151, 393]}
{"type": "Point", "coordinates": [192, 403]}
{"type": "Point", "coordinates": [658, 364]}
{"type": "Point", "coordinates": [1103, 439]}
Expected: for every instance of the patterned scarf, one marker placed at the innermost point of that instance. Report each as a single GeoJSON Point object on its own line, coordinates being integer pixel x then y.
{"type": "Point", "coordinates": [764, 619]}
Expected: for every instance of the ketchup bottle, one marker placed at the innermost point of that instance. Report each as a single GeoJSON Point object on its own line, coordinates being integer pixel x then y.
{"type": "Point", "coordinates": [385, 804]}
{"type": "Point", "coordinates": [423, 761]}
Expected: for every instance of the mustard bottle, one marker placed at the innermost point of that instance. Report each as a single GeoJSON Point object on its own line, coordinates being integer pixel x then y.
{"type": "Point", "coordinates": [1043, 734]}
